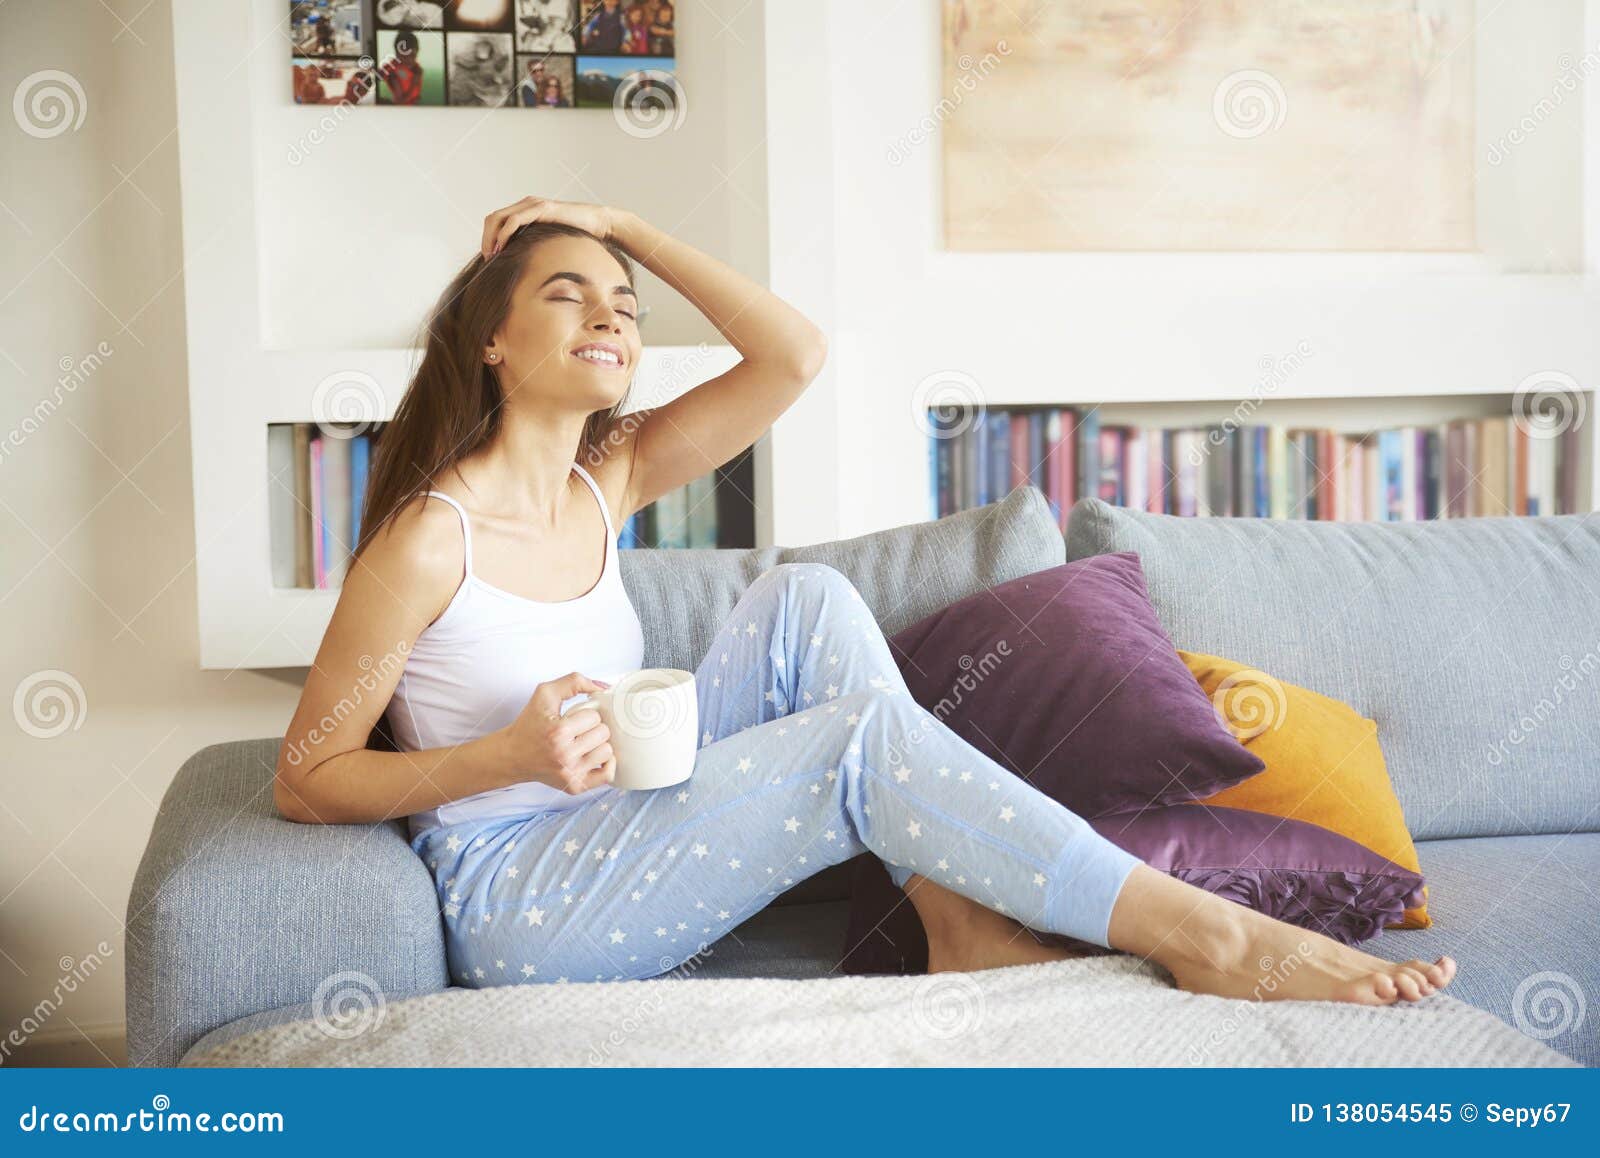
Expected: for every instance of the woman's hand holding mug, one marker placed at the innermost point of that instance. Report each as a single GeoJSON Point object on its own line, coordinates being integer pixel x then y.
{"type": "Point", "coordinates": [571, 752]}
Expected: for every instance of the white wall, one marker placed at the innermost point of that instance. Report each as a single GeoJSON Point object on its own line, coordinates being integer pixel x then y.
{"type": "Point", "coordinates": [382, 211]}
{"type": "Point", "coordinates": [96, 503]}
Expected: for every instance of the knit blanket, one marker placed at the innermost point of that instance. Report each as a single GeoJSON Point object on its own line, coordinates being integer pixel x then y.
{"type": "Point", "coordinates": [1097, 1011]}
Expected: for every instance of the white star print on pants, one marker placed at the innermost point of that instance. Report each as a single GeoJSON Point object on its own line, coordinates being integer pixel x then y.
{"type": "Point", "coordinates": [812, 753]}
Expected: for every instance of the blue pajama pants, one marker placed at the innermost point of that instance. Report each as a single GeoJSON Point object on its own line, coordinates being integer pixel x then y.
{"type": "Point", "coordinates": [812, 752]}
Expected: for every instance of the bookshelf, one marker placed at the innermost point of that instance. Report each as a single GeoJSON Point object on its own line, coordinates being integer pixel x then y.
{"type": "Point", "coordinates": [317, 481]}
{"type": "Point", "coordinates": [1335, 459]}
{"type": "Point", "coordinates": [246, 619]}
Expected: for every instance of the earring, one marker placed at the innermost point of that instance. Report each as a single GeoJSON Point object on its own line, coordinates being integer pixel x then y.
{"type": "Point", "coordinates": [494, 357]}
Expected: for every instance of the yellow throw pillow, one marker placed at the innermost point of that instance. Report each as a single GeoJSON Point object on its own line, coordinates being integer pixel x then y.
{"type": "Point", "coordinates": [1324, 765]}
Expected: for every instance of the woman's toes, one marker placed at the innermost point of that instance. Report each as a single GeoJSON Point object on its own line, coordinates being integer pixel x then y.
{"type": "Point", "coordinates": [1419, 970]}
{"type": "Point", "coordinates": [1383, 985]}
{"type": "Point", "coordinates": [1434, 973]}
{"type": "Point", "coordinates": [1406, 984]}
{"type": "Point", "coordinates": [1447, 970]}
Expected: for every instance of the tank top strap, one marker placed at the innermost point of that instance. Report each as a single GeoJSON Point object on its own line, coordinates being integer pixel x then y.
{"type": "Point", "coordinates": [466, 525]}
{"type": "Point", "coordinates": [605, 511]}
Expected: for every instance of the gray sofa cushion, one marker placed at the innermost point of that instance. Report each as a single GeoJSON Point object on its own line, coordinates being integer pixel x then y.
{"type": "Point", "coordinates": [1518, 915]}
{"type": "Point", "coordinates": [903, 574]}
{"type": "Point", "coordinates": [1474, 643]}
{"type": "Point", "coordinates": [235, 910]}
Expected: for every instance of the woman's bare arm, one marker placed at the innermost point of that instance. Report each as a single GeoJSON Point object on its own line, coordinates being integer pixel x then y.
{"type": "Point", "coordinates": [399, 584]}
{"type": "Point", "coordinates": [656, 450]}
{"type": "Point", "coordinates": [780, 350]}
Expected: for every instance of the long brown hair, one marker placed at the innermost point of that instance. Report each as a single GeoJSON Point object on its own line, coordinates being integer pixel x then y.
{"type": "Point", "coordinates": [453, 405]}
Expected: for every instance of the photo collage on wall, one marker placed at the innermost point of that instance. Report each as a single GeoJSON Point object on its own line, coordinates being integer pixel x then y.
{"type": "Point", "coordinates": [539, 54]}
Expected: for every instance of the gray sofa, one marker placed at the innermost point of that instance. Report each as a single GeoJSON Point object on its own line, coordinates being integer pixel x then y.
{"type": "Point", "coordinates": [1475, 644]}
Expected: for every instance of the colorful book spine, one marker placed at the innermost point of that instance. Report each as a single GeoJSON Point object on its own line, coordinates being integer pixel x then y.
{"type": "Point", "coordinates": [319, 574]}
{"type": "Point", "coordinates": [281, 509]}
{"type": "Point", "coordinates": [360, 467]}
{"type": "Point", "coordinates": [1088, 473]}
{"type": "Point", "coordinates": [1050, 466]}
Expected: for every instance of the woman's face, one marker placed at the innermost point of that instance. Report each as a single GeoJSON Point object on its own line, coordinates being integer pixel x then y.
{"type": "Point", "coordinates": [570, 339]}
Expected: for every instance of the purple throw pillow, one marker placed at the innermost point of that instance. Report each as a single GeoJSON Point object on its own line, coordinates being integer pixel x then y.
{"type": "Point", "coordinates": [1066, 678]}
{"type": "Point", "coordinates": [1301, 873]}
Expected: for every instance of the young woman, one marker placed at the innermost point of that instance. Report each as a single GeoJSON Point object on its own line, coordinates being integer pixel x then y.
{"type": "Point", "coordinates": [486, 595]}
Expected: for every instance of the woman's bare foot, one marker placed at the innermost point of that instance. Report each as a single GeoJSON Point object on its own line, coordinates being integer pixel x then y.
{"type": "Point", "coordinates": [963, 936]}
{"type": "Point", "coordinates": [1214, 946]}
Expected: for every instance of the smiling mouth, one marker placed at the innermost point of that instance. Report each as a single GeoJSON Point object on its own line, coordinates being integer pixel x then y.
{"type": "Point", "coordinates": [598, 356]}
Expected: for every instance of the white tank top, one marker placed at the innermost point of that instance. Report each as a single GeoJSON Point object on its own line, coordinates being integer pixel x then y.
{"type": "Point", "coordinates": [472, 670]}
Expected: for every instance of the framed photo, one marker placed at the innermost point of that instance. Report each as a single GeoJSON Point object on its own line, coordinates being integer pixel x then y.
{"type": "Point", "coordinates": [478, 15]}
{"type": "Point", "coordinates": [327, 28]}
{"type": "Point", "coordinates": [546, 26]}
{"type": "Point", "coordinates": [478, 68]}
{"type": "Point", "coordinates": [639, 82]}
{"type": "Point", "coordinates": [546, 82]}
{"type": "Point", "coordinates": [319, 81]}
{"type": "Point", "coordinates": [410, 67]}
{"type": "Point", "coordinates": [409, 13]}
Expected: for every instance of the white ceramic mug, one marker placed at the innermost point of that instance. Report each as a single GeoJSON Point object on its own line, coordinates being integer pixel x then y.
{"type": "Point", "coordinates": [654, 720]}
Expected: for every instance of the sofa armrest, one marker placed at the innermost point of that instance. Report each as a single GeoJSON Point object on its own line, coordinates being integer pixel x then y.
{"type": "Point", "coordinates": [235, 910]}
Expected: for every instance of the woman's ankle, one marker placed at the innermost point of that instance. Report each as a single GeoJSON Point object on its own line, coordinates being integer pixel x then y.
{"type": "Point", "coordinates": [1178, 926]}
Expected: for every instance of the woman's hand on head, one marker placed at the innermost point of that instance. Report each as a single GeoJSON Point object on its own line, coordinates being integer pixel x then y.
{"type": "Point", "coordinates": [571, 752]}
{"type": "Point", "coordinates": [502, 223]}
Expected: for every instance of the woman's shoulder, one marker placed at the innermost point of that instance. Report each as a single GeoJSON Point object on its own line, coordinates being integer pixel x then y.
{"type": "Point", "coordinates": [419, 551]}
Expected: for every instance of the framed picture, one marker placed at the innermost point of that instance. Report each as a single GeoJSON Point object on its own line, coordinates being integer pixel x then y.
{"type": "Point", "coordinates": [546, 26]}
{"type": "Point", "coordinates": [478, 68]}
{"type": "Point", "coordinates": [546, 82]}
{"type": "Point", "coordinates": [618, 81]}
{"type": "Point", "coordinates": [1161, 125]}
{"type": "Point", "coordinates": [528, 54]}
{"type": "Point", "coordinates": [330, 81]}
{"type": "Point", "coordinates": [327, 28]}
{"type": "Point", "coordinates": [410, 67]}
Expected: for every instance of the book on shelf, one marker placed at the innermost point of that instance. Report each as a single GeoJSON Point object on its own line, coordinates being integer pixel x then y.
{"type": "Point", "coordinates": [317, 480]}
{"type": "Point", "coordinates": [1457, 469]}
